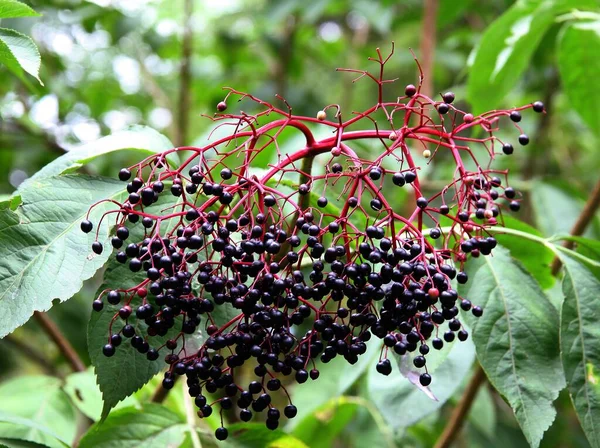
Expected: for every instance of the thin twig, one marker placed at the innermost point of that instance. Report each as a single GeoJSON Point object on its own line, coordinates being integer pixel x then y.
{"type": "Point", "coordinates": [61, 342]}
{"type": "Point", "coordinates": [185, 77]}
{"type": "Point", "coordinates": [586, 216]}
{"type": "Point", "coordinates": [459, 414]}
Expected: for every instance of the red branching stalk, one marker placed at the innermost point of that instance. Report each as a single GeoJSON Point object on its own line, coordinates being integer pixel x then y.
{"type": "Point", "coordinates": [232, 223]}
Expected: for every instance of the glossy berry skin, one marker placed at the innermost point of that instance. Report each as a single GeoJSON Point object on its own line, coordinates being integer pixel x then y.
{"type": "Point", "coordinates": [97, 247]}
{"type": "Point", "coordinates": [410, 90]}
{"type": "Point", "coordinates": [124, 174]}
{"type": "Point", "coordinates": [523, 139]}
{"type": "Point", "coordinates": [290, 411]}
{"type": "Point", "coordinates": [515, 116]}
{"type": "Point", "coordinates": [538, 107]}
{"type": "Point", "coordinates": [221, 433]}
{"type": "Point", "coordinates": [86, 226]}
{"type": "Point", "coordinates": [108, 350]}
{"type": "Point", "coordinates": [448, 97]}
{"type": "Point", "coordinates": [425, 379]}
{"type": "Point", "coordinates": [507, 149]}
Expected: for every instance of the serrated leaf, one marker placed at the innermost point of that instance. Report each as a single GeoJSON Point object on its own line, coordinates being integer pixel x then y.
{"type": "Point", "coordinates": [137, 138]}
{"type": "Point", "coordinates": [507, 46]}
{"type": "Point", "coordinates": [393, 394]}
{"type": "Point", "coordinates": [41, 399]}
{"type": "Point", "coordinates": [19, 53]}
{"type": "Point", "coordinates": [153, 427]}
{"type": "Point", "coordinates": [43, 253]}
{"type": "Point", "coordinates": [14, 8]}
{"type": "Point", "coordinates": [127, 370]}
{"type": "Point", "coordinates": [579, 69]}
{"type": "Point", "coordinates": [580, 344]}
{"type": "Point", "coordinates": [515, 337]}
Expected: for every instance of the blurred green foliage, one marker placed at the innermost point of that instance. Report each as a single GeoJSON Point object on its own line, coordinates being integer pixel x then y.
{"type": "Point", "coordinates": [110, 64]}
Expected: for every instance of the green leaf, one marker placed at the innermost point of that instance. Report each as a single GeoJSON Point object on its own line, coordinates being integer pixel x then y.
{"type": "Point", "coordinates": [507, 46]}
{"type": "Point", "coordinates": [580, 344]}
{"type": "Point", "coordinates": [256, 435]}
{"type": "Point", "coordinates": [152, 427]}
{"type": "Point", "coordinates": [393, 394]}
{"type": "Point", "coordinates": [38, 398]}
{"type": "Point", "coordinates": [127, 370]}
{"type": "Point", "coordinates": [516, 339]}
{"type": "Point", "coordinates": [19, 53]}
{"type": "Point", "coordinates": [14, 8]}
{"type": "Point", "coordinates": [535, 257]}
{"type": "Point", "coordinates": [83, 391]}
{"type": "Point", "coordinates": [137, 138]}
{"type": "Point", "coordinates": [23, 427]}
{"type": "Point", "coordinates": [580, 69]}
{"type": "Point", "coordinates": [320, 429]}
{"type": "Point", "coordinates": [43, 253]}
{"type": "Point", "coordinates": [16, 443]}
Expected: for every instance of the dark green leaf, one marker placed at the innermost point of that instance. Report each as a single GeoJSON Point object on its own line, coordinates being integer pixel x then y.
{"type": "Point", "coordinates": [127, 370]}
{"type": "Point", "coordinates": [14, 8]}
{"type": "Point", "coordinates": [517, 334]}
{"type": "Point", "coordinates": [580, 69]}
{"type": "Point", "coordinates": [153, 426]}
{"type": "Point", "coordinates": [580, 344]}
{"type": "Point", "coordinates": [43, 253]}
{"type": "Point", "coordinates": [19, 53]}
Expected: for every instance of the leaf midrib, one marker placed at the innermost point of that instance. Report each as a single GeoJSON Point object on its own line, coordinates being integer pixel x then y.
{"type": "Point", "coordinates": [20, 274]}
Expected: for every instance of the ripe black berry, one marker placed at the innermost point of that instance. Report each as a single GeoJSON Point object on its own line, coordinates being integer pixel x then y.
{"type": "Point", "coordinates": [448, 97]}
{"type": "Point", "coordinates": [538, 106]}
{"type": "Point", "coordinates": [410, 90]}
{"type": "Point", "coordinates": [290, 411]}
{"type": "Point", "coordinates": [124, 174]}
{"type": "Point", "coordinates": [221, 433]}
{"type": "Point", "coordinates": [422, 202]}
{"type": "Point", "coordinates": [86, 226]}
{"type": "Point", "coordinates": [515, 116]}
{"type": "Point", "coordinates": [523, 139]}
{"type": "Point", "coordinates": [108, 350]}
{"type": "Point", "coordinates": [384, 367]}
{"type": "Point", "coordinates": [443, 108]}
{"type": "Point", "coordinates": [97, 247]}
{"type": "Point", "coordinates": [97, 305]}
{"type": "Point", "coordinates": [507, 149]}
{"type": "Point", "coordinates": [425, 379]}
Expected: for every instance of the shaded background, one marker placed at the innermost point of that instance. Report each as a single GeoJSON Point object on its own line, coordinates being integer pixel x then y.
{"type": "Point", "coordinates": [108, 64]}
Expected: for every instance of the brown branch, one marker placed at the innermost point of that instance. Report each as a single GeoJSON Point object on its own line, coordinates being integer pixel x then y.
{"type": "Point", "coordinates": [185, 77]}
{"type": "Point", "coordinates": [586, 216]}
{"type": "Point", "coordinates": [459, 414]}
{"type": "Point", "coordinates": [32, 354]}
{"type": "Point", "coordinates": [61, 342]}
{"type": "Point", "coordinates": [428, 42]}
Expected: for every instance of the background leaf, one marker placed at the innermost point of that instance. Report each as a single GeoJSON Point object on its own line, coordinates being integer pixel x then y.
{"type": "Point", "coordinates": [580, 344]}
{"type": "Point", "coordinates": [14, 8]}
{"type": "Point", "coordinates": [19, 53]}
{"type": "Point", "coordinates": [579, 69]}
{"type": "Point", "coordinates": [154, 427]}
{"type": "Point", "coordinates": [40, 399]}
{"type": "Point", "coordinates": [515, 336]}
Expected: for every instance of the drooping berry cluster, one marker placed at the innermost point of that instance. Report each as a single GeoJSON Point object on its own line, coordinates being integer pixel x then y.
{"type": "Point", "coordinates": [306, 265]}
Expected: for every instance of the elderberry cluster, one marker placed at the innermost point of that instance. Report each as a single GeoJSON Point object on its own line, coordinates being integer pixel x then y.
{"type": "Point", "coordinates": [272, 279]}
